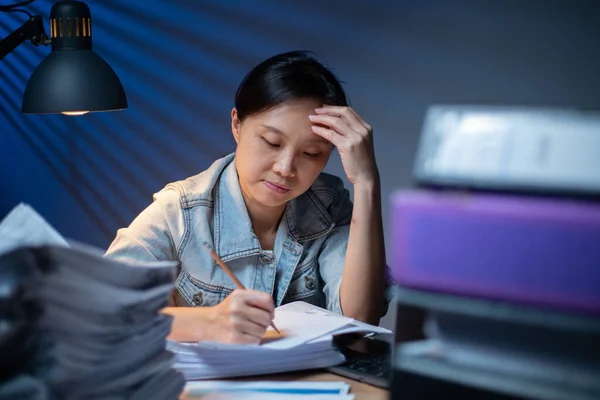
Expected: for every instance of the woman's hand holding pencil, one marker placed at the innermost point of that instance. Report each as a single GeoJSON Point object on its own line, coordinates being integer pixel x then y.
{"type": "Point", "coordinates": [245, 315]}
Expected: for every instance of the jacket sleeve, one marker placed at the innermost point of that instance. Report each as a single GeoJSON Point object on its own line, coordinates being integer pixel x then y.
{"type": "Point", "coordinates": [151, 234]}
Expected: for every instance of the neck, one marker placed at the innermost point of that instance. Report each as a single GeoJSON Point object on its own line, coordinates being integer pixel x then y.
{"type": "Point", "coordinates": [264, 219]}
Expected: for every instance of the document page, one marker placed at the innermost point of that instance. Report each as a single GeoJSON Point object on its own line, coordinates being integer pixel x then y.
{"type": "Point", "coordinates": [24, 226]}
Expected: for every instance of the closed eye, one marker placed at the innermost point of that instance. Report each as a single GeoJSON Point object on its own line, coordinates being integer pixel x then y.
{"type": "Point", "coordinates": [312, 155]}
{"type": "Point", "coordinates": [270, 144]}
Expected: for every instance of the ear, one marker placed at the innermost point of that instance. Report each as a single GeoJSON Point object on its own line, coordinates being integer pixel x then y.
{"type": "Point", "coordinates": [235, 125]}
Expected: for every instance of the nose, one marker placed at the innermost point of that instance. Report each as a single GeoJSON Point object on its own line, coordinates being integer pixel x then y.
{"type": "Point", "coordinates": [285, 165]}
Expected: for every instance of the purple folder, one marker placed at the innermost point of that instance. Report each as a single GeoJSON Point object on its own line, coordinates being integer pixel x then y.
{"type": "Point", "coordinates": [543, 252]}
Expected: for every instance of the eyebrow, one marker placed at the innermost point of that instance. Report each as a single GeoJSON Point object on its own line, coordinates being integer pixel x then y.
{"type": "Point", "coordinates": [273, 129]}
{"type": "Point", "coordinates": [317, 140]}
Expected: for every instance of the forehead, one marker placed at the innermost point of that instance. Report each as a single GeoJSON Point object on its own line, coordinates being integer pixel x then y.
{"type": "Point", "coordinates": [290, 120]}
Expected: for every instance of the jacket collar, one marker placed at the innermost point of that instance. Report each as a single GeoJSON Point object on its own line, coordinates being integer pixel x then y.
{"type": "Point", "coordinates": [306, 218]}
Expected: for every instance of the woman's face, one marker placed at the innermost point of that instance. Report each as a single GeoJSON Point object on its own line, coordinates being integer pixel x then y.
{"type": "Point", "coordinates": [278, 157]}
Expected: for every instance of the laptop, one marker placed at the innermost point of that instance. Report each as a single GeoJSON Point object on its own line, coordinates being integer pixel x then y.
{"type": "Point", "coordinates": [368, 359]}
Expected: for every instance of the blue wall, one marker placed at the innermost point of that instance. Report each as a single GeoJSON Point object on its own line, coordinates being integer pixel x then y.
{"type": "Point", "coordinates": [181, 61]}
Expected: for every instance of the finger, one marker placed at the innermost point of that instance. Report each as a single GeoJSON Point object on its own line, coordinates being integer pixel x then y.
{"type": "Point", "coordinates": [245, 301]}
{"type": "Point", "coordinates": [260, 300]}
{"type": "Point", "coordinates": [346, 113]}
{"type": "Point", "coordinates": [257, 315]}
{"type": "Point", "coordinates": [358, 118]}
{"type": "Point", "coordinates": [335, 123]}
{"type": "Point", "coordinates": [328, 134]}
{"type": "Point", "coordinates": [243, 325]}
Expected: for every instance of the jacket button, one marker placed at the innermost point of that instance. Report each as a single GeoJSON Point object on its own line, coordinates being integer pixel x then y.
{"type": "Point", "coordinates": [267, 259]}
{"type": "Point", "coordinates": [310, 283]}
{"type": "Point", "coordinates": [198, 299]}
{"type": "Point", "coordinates": [295, 252]}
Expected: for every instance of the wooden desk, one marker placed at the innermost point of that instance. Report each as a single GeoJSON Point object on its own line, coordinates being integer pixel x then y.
{"type": "Point", "coordinates": [362, 391]}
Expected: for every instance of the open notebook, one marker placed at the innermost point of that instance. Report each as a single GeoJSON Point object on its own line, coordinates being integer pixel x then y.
{"type": "Point", "coordinates": [306, 342]}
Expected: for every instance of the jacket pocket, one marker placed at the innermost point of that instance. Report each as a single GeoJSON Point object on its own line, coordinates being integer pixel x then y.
{"type": "Point", "coordinates": [304, 282]}
{"type": "Point", "coordinates": [198, 293]}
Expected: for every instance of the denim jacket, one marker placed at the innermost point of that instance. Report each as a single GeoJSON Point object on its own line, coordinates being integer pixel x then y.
{"type": "Point", "coordinates": [305, 264]}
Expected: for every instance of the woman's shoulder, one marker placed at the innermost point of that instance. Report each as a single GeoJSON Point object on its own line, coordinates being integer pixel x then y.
{"type": "Point", "coordinates": [333, 196]}
{"type": "Point", "coordinates": [197, 189]}
{"type": "Point", "coordinates": [328, 187]}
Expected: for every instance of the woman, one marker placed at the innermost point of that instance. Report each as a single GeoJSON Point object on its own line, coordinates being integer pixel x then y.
{"type": "Point", "coordinates": [286, 230]}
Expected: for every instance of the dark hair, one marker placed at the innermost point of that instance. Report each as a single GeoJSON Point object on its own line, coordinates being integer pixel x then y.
{"type": "Point", "coordinates": [288, 76]}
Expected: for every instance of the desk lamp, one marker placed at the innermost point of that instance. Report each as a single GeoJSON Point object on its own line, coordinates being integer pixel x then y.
{"type": "Point", "coordinates": [73, 79]}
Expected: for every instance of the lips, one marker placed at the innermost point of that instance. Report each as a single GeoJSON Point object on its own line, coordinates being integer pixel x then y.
{"type": "Point", "coordinates": [276, 188]}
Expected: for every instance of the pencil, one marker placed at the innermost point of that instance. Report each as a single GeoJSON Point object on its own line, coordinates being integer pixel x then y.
{"type": "Point", "coordinates": [229, 273]}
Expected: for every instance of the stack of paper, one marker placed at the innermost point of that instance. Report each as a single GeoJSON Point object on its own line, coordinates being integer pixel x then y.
{"type": "Point", "coordinates": [306, 342]}
{"type": "Point", "coordinates": [95, 330]}
{"type": "Point", "coordinates": [206, 361]}
{"type": "Point", "coordinates": [23, 226]}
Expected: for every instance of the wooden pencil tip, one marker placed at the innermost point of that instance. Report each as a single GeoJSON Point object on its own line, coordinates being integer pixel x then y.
{"type": "Point", "coordinates": [274, 327]}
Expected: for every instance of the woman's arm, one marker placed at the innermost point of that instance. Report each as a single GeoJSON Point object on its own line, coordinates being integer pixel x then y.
{"type": "Point", "coordinates": [190, 324]}
{"type": "Point", "coordinates": [363, 280]}
{"type": "Point", "coordinates": [242, 317]}
{"type": "Point", "coordinates": [362, 290]}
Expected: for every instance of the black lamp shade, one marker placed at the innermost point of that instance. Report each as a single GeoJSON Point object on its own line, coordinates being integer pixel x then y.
{"type": "Point", "coordinates": [71, 81]}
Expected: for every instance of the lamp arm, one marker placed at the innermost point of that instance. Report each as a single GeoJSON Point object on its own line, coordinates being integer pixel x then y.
{"type": "Point", "coordinates": [32, 30]}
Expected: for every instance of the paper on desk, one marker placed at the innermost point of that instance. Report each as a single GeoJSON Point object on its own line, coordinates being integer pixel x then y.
{"type": "Point", "coordinates": [304, 388]}
{"type": "Point", "coordinates": [101, 324]}
{"type": "Point", "coordinates": [306, 343]}
{"type": "Point", "coordinates": [298, 327]}
{"type": "Point", "coordinates": [299, 323]}
{"type": "Point", "coordinates": [24, 226]}
{"type": "Point", "coordinates": [216, 360]}
{"type": "Point", "coordinates": [268, 396]}
{"type": "Point", "coordinates": [351, 325]}
{"type": "Point", "coordinates": [266, 390]}
{"type": "Point", "coordinates": [225, 352]}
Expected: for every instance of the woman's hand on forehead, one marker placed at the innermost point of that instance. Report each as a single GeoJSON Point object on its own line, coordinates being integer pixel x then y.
{"type": "Point", "coordinates": [352, 136]}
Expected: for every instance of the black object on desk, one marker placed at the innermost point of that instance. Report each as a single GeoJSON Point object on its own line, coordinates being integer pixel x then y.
{"type": "Point", "coordinates": [479, 348]}
{"type": "Point", "coordinates": [369, 359]}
